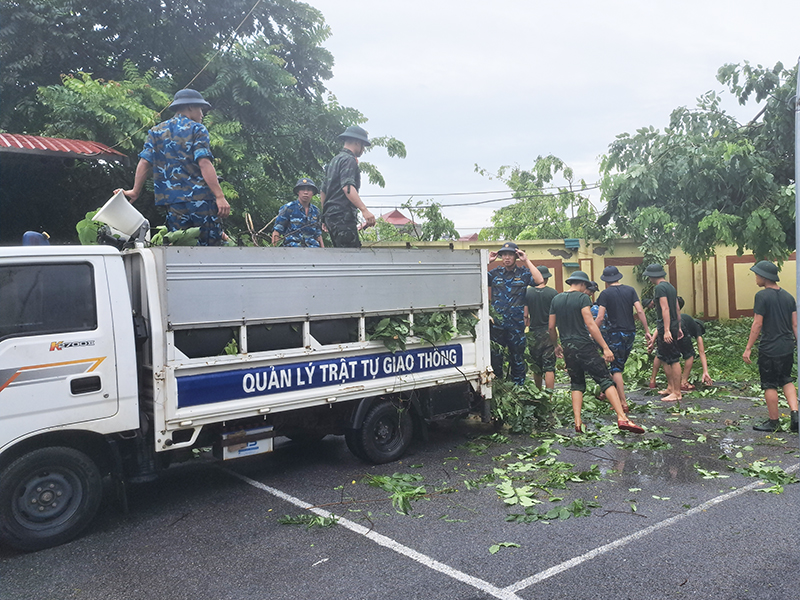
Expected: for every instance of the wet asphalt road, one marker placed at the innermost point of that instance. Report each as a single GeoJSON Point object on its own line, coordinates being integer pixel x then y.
{"type": "Point", "coordinates": [201, 532]}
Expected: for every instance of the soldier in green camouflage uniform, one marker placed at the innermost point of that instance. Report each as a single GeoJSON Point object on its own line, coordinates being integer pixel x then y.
{"type": "Point", "coordinates": [570, 312]}
{"type": "Point", "coordinates": [537, 318]}
{"type": "Point", "coordinates": [339, 196]}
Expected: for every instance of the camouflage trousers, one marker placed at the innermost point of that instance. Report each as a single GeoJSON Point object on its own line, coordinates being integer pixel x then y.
{"type": "Point", "coordinates": [343, 230]}
{"type": "Point", "coordinates": [185, 215]}
{"type": "Point", "coordinates": [512, 339]}
{"type": "Point", "coordinates": [542, 351]}
{"type": "Point", "coordinates": [583, 359]}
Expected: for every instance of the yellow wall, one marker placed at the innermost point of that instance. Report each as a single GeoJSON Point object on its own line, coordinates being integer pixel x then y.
{"type": "Point", "coordinates": [720, 288]}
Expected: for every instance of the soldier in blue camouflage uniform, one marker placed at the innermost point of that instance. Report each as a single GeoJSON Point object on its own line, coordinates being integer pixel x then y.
{"type": "Point", "coordinates": [509, 283]}
{"type": "Point", "coordinates": [339, 197]}
{"type": "Point", "coordinates": [298, 222]}
{"type": "Point", "coordinates": [178, 153]}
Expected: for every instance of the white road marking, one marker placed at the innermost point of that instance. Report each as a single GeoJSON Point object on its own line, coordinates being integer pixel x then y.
{"type": "Point", "coordinates": [386, 542]}
{"type": "Point", "coordinates": [509, 592]}
{"type": "Point", "coordinates": [574, 562]}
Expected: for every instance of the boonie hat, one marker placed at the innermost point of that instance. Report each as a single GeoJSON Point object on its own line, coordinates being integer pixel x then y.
{"type": "Point", "coordinates": [357, 133]}
{"type": "Point", "coordinates": [579, 277]}
{"type": "Point", "coordinates": [647, 302]}
{"type": "Point", "coordinates": [186, 97]}
{"type": "Point", "coordinates": [766, 269]}
{"type": "Point", "coordinates": [544, 271]}
{"type": "Point", "coordinates": [592, 287]}
{"type": "Point", "coordinates": [510, 247]}
{"type": "Point", "coordinates": [655, 270]}
{"type": "Point", "coordinates": [305, 182]}
{"type": "Point", "coordinates": [611, 274]}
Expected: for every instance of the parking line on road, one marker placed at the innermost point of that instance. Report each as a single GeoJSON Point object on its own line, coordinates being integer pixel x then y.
{"type": "Point", "coordinates": [574, 562]}
{"type": "Point", "coordinates": [386, 542]}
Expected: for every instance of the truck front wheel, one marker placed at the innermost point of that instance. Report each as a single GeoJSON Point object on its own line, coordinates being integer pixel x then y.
{"type": "Point", "coordinates": [386, 432]}
{"type": "Point", "coordinates": [47, 497]}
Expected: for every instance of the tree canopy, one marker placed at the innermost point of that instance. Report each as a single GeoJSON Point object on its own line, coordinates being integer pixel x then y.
{"type": "Point", "coordinates": [106, 70]}
{"type": "Point", "coordinates": [541, 210]}
{"type": "Point", "coordinates": [708, 179]}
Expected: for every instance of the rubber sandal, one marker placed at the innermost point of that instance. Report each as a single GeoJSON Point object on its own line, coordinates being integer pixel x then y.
{"type": "Point", "coordinates": [629, 426]}
{"type": "Point", "coordinates": [687, 388]}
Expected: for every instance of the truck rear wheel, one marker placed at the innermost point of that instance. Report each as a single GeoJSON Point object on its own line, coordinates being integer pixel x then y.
{"type": "Point", "coordinates": [47, 497]}
{"type": "Point", "coordinates": [386, 432]}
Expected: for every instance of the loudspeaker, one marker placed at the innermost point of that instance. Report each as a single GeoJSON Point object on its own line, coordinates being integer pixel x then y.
{"type": "Point", "coordinates": [119, 214]}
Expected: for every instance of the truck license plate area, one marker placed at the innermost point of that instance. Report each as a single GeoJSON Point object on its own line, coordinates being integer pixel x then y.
{"type": "Point", "coordinates": [247, 442]}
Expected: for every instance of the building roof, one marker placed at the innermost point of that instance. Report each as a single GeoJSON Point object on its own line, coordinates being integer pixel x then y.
{"type": "Point", "coordinates": [396, 218]}
{"type": "Point", "coordinates": [469, 238]}
{"type": "Point", "coordinates": [19, 144]}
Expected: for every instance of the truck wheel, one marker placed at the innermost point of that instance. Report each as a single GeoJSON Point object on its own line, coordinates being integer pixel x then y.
{"type": "Point", "coordinates": [386, 432]}
{"type": "Point", "coordinates": [47, 497]}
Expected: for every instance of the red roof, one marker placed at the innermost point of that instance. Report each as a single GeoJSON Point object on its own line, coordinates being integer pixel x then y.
{"type": "Point", "coordinates": [396, 218]}
{"type": "Point", "coordinates": [469, 238]}
{"type": "Point", "coordinates": [14, 143]}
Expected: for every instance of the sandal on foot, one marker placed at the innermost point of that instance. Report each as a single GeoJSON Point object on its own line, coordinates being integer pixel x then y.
{"type": "Point", "coordinates": [629, 426]}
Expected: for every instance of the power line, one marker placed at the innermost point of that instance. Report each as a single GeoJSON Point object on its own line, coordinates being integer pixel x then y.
{"type": "Point", "coordinates": [504, 199]}
{"type": "Point", "coordinates": [552, 187]}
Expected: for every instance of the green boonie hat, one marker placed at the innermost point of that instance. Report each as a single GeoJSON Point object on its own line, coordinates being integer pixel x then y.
{"type": "Point", "coordinates": [592, 287]}
{"type": "Point", "coordinates": [579, 277]}
{"type": "Point", "coordinates": [766, 269]}
{"type": "Point", "coordinates": [647, 302]}
{"type": "Point", "coordinates": [305, 182]}
{"type": "Point", "coordinates": [544, 271]}
{"type": "Point", "coordinates": [357, 133]}
{"type": "Point", "coordinates": [508, 247]}
{"type": "Point", "coordinates": [655, 270]}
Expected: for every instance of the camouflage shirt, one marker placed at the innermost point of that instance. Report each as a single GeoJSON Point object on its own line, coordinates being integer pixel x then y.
{"type": "Point", "coordinates": [508, 294]}
{"type": "Point", "coordinates": [342, 171]}
{"type": "Point", "coordinates": [298, 228]}
{"type": "Point", "coordinates": [173, 149]}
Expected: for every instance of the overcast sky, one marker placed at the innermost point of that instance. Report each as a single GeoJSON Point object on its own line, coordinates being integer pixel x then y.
{"type": "Point", "coordinates": [500, 83]}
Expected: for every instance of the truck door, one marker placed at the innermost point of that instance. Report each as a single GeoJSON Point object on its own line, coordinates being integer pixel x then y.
{"type": "Point", "coordinates": [57, 362]}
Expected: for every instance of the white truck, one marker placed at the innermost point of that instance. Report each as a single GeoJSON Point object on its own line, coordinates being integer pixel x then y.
{"type": "Point", "coordinates": [117, 363]}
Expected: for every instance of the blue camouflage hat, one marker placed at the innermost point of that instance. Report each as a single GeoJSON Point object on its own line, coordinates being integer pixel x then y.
{"type": "Point", "coordinates": [509, 247]}
{"type": "Point", "coordinates": [305, 182]}
{"type": "Point", "coordinates": [188, 97]}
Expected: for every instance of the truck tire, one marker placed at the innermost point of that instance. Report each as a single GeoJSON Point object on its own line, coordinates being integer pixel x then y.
{"type": "Point", "coordinates": [386, 432]}
{"type": "Point", "coordinates": [47, 497]}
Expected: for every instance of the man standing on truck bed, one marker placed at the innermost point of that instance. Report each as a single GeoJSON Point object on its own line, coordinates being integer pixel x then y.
{"type": "Point", "coordinates": [178, 153]}
{"type": "Point", "coordinates": [509, 283]}
{"type": "Point", "coordinates": [298, 222]}
{"type": "Point", "coordinates": [339, 196]}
